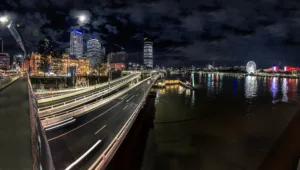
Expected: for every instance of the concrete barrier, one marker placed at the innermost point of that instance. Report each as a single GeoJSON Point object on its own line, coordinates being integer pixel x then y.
{"type": "Point", "coordinates": [61, 96]}
{"type": "Point", "coordinates": [48, 121]}
{"type": "Point", "coordinates": [4, 83]}
{"type": "Point", "coordinates": [50, 110]}
{"type": "Point", "coordinates": [109, 152]}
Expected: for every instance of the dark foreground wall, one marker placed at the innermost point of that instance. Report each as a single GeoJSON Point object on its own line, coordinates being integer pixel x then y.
{"type": "Point", "coordinates": [130, 154]}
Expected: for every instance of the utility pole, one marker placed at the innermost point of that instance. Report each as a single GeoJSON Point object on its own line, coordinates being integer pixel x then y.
{"type": "Point", "coordinates": [109, 70]}
{"type": "Point", "coordinates": [2, 49]}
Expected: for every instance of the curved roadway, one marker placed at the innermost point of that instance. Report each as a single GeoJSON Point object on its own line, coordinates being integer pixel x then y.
{"type": "Point", "coordinates": [70, 142]}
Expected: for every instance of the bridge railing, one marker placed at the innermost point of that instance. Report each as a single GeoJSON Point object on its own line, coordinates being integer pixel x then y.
{"type": "Point", "coordinates": [48, 110]}
{"type": "Point", "coordinates": [8, 81]}
{"type": "Point", "coordinates": [51, 120]}
{"type": "Point", "coordinates": [61, 96]}
{"type": "Point", "coordinates": [41, 154]}
{"type": "Point", "coordinates": [109, 152]}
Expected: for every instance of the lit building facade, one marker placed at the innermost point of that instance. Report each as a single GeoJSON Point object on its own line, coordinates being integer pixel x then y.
{"type": "Point", "coordinates": [4, 61]}
{"type": "Point", "coordinates": [60, 65]}
{"type": "Point", "coordinates": [148, 53]}
{"type": "Point", "coordinates": [76, 44]}
{"type": "Point", "coordinates": [94, 51]}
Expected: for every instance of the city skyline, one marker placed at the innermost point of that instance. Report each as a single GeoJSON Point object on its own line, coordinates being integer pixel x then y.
{"type": "Point", "coordinates": [233, 32]}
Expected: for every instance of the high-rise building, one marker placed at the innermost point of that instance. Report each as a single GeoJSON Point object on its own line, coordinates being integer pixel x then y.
{"type": "Point", "coordinates": [94, 51]}
{"type": "Point", "coordinates": [118, 57]}
{"type": "Point", "coordinates": [45, 46]}
{"type": "Point", "coordinates": [93, 47]}
{"type": "Point", "coordinates": [148, 53]}
{"type": "Point", "coordinates": [67, 51]}
{"type": "Point", "coordinates": [118, 60]}
{"type": "Point", "coordinates": [76, 44]}
{"type": "Point", "coordinates": [4, 61]}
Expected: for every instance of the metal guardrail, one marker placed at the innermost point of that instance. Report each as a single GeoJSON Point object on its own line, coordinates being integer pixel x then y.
{"type": "Point", "coordinates": [50, 120]}
{"type": "Point", "coordinates": [49, 110]}
{"type": "Point", "coordinates": [61, 96]}
{"type": "Point", "coordinates": [91, 87]}
{"type": "Point", "coordinates": [5, 82]}
{"type": "Point", "coordinates": [49, 92]}
{"type": "Point", "coordinates": [41, 154]}
{"type": "Point", "coordinates": [109, 152]}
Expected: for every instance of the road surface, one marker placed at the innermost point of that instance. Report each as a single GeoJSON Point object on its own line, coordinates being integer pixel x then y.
{"type": "Point", "coordinates": [70, 142]}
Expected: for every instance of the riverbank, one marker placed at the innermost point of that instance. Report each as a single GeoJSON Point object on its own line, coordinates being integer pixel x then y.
{"type": "Point", "coordinates": [259, 74]}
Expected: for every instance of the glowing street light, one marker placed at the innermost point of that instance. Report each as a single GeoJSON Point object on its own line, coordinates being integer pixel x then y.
{"type": "Point", "coordinates": [3, 19]}
{"type": "Point", "coordinates": [82, 18]}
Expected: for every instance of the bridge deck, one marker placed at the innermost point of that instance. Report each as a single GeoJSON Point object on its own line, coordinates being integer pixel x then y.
{"type": "Point", "coordinates": [15, 130]}
{"type": "Point", "coordinates": [70, 142]}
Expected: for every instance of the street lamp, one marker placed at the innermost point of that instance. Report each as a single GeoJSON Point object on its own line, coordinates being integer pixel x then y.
{"type": "Point", "coordinates": [2, 50]}
{"type": "Point", "coordinates": [82, 18]}
{"type": "Point", "coordinates": [3, 19]}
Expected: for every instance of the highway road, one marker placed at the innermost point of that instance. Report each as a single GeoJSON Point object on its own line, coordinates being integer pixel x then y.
{"type": "Point", "coordinates": [75, 96]}
{"type": "Point", "coordinates": [70, 142]}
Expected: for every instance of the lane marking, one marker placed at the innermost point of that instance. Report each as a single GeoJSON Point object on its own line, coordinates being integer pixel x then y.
{"type": "Point", "coordinates": [129, 99]}
{"type": "Point", "coordinates": [82, 156]}
{"type": "Point", "coordinates": [100, 129]}
{"type": "Point", "coordinates": [57, 126]}
{"type": "Point", "coordinates": [58, 123]}
{"type": "Point", "coordinates": [125, 107]}
{"type": "Point", "coordinates": [121, 98]}
{"type": "Point", "coordinates": [85, 123]}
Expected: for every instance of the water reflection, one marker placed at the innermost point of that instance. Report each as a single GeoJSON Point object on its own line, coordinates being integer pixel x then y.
{"type": "Point", "coordinates": [250, 87]}
{"type": "Point", "coordinates": [274, 88]}
{"type": "Point", "coordinates": [212, 83]}
{"type": "Point", "coordinates": [193, 97]}
{"type": "Point", "coordinates": [284, 89]}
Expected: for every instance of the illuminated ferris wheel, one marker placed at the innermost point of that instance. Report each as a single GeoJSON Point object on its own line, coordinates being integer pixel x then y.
{"type": "Point", "coordinates": [251, 67]}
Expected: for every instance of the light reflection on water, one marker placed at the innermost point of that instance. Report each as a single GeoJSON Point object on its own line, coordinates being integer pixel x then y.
{"type": "Point", "coordinates": [253, 87]}
{"type": "Point", "coordinates": [250, 87]}
{"type": "Point", "coordinates": [229, 119]}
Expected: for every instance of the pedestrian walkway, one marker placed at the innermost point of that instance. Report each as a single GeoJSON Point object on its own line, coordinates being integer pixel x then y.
{"type": "Point", "coordinates": [15, 142]}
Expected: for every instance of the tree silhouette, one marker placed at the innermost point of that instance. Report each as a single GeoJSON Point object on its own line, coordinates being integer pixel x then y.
{"type": "Point", "coordinates": [44, 63]}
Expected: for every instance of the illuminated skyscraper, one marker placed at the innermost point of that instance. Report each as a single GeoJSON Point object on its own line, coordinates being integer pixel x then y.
{"type": "Point", "coordinates": [148, 53]}
{"type": "Point", "coordinates": [76, 44]}
{"type": "Point", "coordinates": [93, 47]}
{"type": "Point", "coordinates": [94, 51]}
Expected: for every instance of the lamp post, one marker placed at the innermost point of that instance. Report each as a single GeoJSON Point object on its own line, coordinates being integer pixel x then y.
{"type": "Point", "coordinates": [2, 49]}
{"type": "Point", "coordinates": [3, 20]}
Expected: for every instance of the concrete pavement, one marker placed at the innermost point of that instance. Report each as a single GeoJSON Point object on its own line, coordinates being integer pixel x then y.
{"type": "Point", "coordinates": [15, 130]}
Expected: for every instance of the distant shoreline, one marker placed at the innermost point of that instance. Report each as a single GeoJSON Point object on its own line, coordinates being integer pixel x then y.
{"type": "Point", "coordinates": [260, 74]}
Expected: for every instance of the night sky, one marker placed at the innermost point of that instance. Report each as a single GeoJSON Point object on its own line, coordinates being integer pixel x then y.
{"type": "Point", "coordinates": [185, 32]}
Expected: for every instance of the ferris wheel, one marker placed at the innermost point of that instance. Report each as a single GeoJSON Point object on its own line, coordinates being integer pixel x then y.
{"type": "Point", "coordinates": [251, 67]}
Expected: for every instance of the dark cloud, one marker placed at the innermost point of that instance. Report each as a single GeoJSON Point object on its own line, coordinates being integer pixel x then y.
{"type": "Point", "coordinates": [183, 31]}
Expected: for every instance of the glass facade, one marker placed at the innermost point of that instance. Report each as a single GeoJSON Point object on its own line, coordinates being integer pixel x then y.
{"type": "Point", "coordinates": [76, 44]}
{"type": "Point", "coordinates": [148, 54]}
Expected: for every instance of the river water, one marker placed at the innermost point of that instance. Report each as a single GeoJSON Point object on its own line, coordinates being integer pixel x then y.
{"type": "Point", "coordinates": [231, 122]}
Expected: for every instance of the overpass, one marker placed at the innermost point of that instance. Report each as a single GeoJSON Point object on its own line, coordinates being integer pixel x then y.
{"type": "Point", "coordinates": [67, 95]}
{"type": "Point", "coordinates": [87, 140]}
{"type": "Point", "coordinates": [98, 133]}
